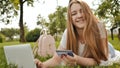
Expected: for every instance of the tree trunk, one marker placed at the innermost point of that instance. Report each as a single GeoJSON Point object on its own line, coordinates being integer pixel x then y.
{"type": "Point", "coordinates": [22, 35]}
{"type": "Point", "coordinates": [119, 33]}
{"type": "Point", "coordinates": [113, 27]}
{"type": "Point", "coordinates": [112, 34]}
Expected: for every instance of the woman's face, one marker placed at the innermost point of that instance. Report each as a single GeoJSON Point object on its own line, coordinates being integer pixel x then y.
{"type": "Point", "coordinates": [78, 17]}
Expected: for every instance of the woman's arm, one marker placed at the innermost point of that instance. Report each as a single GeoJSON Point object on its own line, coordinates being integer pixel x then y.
{"type": "Point", "coordinates": [82, 61]}
{"type": "Point", "coordinates": [85, 61]}
{"type": "Point", "coordinates": [54, 61]}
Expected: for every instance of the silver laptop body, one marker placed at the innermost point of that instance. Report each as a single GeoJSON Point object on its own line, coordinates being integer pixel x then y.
{"type": "Point", "coordinates": [20, 55]}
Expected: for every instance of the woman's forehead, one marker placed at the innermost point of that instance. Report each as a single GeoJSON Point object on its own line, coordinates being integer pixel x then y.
{"type": "Point", "coordinates": [75, 6]}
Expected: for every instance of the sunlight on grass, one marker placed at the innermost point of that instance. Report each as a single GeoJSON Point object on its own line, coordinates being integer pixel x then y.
{"type": "Point", "coordinates": [9, 43]}
{"type": "Point", "coordinates": [3, 64]}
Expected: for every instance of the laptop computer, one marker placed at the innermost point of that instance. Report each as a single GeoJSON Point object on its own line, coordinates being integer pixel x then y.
{"type": "Point", "coordinates": [20, 55]}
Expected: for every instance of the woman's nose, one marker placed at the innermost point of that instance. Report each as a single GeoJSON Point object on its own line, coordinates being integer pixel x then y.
{"type": "Point", "coordinates": [79, 14]}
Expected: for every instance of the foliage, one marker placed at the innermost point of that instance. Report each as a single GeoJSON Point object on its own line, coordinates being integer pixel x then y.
{"type": "Point", "coordinates": [2, 38]}
{"type": "Point", "coordinates": [3, 62]}
{"type": "Point", "coordinates": [12, 66]}
{"type": "Point", "coordinates": [42, 58]}
{"type": "Point", "coordinates": [7, 11]}
{"type": "Point", "coordinates": [42, 22]}
{"type": "Point", "coordinates": [109, 9]}
{"type": "Point", "coordinates": [57, 43]}
{"type": "Point", "coordinates": [58, 20]}
{"type": "Point", "coordinates": [33, 35]}
{"type": "Point", "coordinates": [26, 29]}
{"type": "Point", "coordinates": [10, 32]}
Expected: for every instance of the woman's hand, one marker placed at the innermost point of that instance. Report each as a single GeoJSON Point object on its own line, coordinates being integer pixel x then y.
{"type": "Point", "coordinates": [38, 63]}
{"type": "Point", "coordinates": [69, 60]}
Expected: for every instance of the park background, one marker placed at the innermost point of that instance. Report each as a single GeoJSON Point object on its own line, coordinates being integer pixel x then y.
{"type": "Point", "coordinates": [21, 21]}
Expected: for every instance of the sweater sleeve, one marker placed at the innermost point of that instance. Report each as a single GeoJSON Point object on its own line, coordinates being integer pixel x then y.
{"type": "Point", "coordinates": [102, 30]}
{"type": "Point", "coordinates": [63, 41]}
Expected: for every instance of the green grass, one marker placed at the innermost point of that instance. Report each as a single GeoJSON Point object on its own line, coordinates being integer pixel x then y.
{"type": "Point", "coordinates": [115, 42]}
{"type": "Point", "coordinates": [3, 64]}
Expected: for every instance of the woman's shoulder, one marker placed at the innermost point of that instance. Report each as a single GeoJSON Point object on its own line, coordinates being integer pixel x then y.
{"type": "Point", "coordinates": [102, 29]}
{"type": "Point", "coordinates": [65, 32]}
{"type": "Point", "coordinates": [63, 40]}
{"type": "Point", "coordinates": [100, 24]}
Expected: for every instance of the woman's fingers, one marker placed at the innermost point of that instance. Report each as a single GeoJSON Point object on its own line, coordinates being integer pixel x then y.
{"type": "Point", "coordinates": [38, 63]}
{"type": "Point", "coordinates": [69, 60]}
{"type": "Point", "coordinates": [67, 57]}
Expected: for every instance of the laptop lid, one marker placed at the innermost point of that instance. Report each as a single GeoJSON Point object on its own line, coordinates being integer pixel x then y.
{"type": "Point", "coordinates": [20, 55]}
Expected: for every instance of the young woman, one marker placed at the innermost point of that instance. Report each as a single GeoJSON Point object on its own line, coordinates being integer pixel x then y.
{"type": "Point", "coordinates": [85, 36]}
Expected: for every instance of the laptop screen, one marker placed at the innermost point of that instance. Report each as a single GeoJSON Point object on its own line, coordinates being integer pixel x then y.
{"type": "Point", "coordinates": [20, 55]}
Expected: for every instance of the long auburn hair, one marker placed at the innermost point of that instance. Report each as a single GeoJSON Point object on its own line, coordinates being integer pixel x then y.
{"type": "Point", "coordinates": [93, 46]}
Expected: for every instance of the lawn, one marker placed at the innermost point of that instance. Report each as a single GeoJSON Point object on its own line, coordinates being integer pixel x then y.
{"type": "Point", "coordinates": [115, 42]}
{"type": "Point", "coordinates": [3, 64]}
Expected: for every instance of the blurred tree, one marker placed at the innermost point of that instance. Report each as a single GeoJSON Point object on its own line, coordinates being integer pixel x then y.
{"type": "Point", "coordinates": [10, 32]}
{"type": "Point", "coordinates": [110, 9]}
{"type": "Point", "coordinates": [6, 11]}
{"type": "Point", "coordinates": [9, 9]}
{"type": "Point", "coordinates": [58, 21]}
{"type": "Point", "coordinates": [42, 22]}
{"type": "Point", "coordinates": [33, 35]}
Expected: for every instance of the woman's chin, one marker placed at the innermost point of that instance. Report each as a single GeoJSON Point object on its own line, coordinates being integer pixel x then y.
{"type": "Point", "coordinates": [80, 27]}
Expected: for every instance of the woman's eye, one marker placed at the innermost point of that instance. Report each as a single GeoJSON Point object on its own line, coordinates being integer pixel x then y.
{"type": "Point", "coordinates": [73, 14]}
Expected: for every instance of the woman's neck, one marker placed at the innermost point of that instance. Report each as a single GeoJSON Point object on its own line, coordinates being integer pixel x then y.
{"type": "Point", "coordinates": [80, 32]}
{"type": "Point", "coordinates": [80, 35]}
